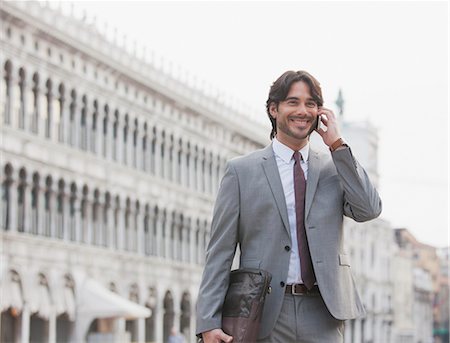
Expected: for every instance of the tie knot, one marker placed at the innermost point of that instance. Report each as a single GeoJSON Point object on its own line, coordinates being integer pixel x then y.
{"type": "Point", "coordinates": [297, 157]}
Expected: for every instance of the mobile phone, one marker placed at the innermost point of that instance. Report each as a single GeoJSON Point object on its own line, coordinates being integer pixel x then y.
{"type": "Point", "coordinates": [318, 121]}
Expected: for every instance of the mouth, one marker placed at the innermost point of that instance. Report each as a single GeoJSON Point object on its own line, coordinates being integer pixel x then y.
{"type": "Point", "coordinates": [300, 122]}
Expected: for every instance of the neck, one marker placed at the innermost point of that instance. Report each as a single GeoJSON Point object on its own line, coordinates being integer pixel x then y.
{"type": "Point", "coordinates": [294, 144]}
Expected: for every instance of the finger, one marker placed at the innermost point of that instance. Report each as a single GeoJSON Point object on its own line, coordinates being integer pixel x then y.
{"type": "Point", "coordinates": [321, 132]}
{"type": "Point", "coordinates": [224, 337]}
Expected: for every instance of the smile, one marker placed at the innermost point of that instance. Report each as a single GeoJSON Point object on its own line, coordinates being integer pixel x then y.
{"type": "Point", "coordinates": [300, 121]}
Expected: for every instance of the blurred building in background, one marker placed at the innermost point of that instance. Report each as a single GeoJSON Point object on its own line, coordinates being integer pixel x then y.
{"type": "Point", "coordinates": [442, 301]}
{"type": "Point", "coordinates": [109, 171]}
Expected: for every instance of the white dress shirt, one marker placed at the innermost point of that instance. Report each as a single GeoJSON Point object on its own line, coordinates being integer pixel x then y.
{"type": "Point", "coordinates": [285, 163]}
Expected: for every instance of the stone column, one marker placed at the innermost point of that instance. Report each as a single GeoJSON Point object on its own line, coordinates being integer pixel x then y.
{"type": "Point", "coordinates": [214, 176]}
{"type": "Point", "coordinates": [159, 234]}
{"type": "Point", "coordinates": [29, 104]}
{"type": "Point", "coordinates": [109, 137]}
{"type": "Point", "coordinates": [66, 215]}
{"type": "Point", "coordinates": [12, 203]}
{"type": "Point", "coordinates": [159, 317]}
{"type": "Point", "coordinates": [121, 225]}
{"type": "Point", "coordinates": [200, 159]}
{"type": "Point", "coordinates": [175, 167]}
{"type": "Point", "coordinates": [168, 231]}
{"type": "Point", "coordinates": [192, 248]}
{"type": "Point", "coordinates": [88, 219]}
{"type": "Point", "coordinates": [201, 243]}
{"type": "Point", "coordinates": [183, 167]}
{"type": "Point", "coordinates": [129, 147]}
{"type": "Point", "coordinates": [88, 126]}
{"type": "Point", "coordinates": [140, 239]}
{"type": "Point", "coordinates": [184, 242]}
{"type": "Point", "coordinates": [141, 330]}
{"type": "Point", "coordinates": [77, 216]}
{"type": "Point", "coordinates": [27, 204]}
{"type": "Point", "coordinates": [41, 208]}
{"type": "Point", "coordinates": [119, 143]}
{"type": "Point", "coordinates": [109, 226]}
{"type": "Point", "coordinates": [166, 158]}
{"type": "Point", "coordinates": [53, 210]}
{"type": "Point", "coordinates": [138, 156]}
{"type": "Point", "coordinates": [25, 330]}
{"type": "Point", "coordinates": [175, 246]}
{"type": "Point", "coordinates": [52, 326]}
{"type": "Point", "coordinates": [99, 136]}
{"type": "Point", "coordinates": [158, 157]}
{"type": "Point", "coordinates": [207, 174]}
{"type": "Point", "coordinates": [192, 176]}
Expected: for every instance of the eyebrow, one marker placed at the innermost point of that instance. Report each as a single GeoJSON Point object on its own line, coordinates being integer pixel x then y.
{"type": "Point", "coordinates": [295, 98]}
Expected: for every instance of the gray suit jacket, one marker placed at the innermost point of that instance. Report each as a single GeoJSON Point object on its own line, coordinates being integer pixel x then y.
{"type": "Point", "coordinates": [251, 211]}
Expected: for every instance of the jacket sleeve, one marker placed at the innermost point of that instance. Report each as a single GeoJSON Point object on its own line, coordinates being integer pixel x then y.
{"type": "Point", "coordinates": [361, 199]}
{"type": "Point", "coordinates": [219, 254]}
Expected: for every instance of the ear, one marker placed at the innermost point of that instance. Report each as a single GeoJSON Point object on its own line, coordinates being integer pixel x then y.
{"type": "Point", "coordinates": [273, 110]}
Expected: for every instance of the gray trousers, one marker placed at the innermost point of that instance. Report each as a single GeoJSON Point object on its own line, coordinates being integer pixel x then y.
{"type": "Point", "coordinates": [305, 319]}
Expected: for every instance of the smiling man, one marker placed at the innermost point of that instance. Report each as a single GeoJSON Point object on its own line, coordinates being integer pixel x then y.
{"type": "Point", "coordinates": [284, 206]}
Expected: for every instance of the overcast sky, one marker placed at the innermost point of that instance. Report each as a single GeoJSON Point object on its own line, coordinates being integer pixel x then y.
{"type": "Point", "coordinates": [389, 58]}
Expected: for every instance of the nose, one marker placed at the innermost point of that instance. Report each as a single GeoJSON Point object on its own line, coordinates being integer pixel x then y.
{"type": "Point", "coordinates": [301, 109]}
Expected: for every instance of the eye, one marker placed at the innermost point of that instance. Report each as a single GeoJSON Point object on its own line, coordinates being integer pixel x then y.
{"type": "Point", "coordinates": [292, 102]}
{"type": "Point", "coordinates": [311, 104]}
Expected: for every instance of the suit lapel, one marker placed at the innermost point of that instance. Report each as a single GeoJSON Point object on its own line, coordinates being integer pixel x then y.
{"type": "Point", "coordinates": [270, 167]}
{"type": "Point", "coordinates": [313, 178]}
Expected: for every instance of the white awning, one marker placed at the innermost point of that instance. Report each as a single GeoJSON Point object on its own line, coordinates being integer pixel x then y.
{"type": "Point", "coordinates": [95, 300]}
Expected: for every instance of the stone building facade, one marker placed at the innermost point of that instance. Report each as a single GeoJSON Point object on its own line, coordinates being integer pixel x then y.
{"type": "Point", "coordinates": [109, 171]}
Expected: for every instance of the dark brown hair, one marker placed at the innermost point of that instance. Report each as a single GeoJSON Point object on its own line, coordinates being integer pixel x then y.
{"type": "Point", "coordinates": [280, 89]}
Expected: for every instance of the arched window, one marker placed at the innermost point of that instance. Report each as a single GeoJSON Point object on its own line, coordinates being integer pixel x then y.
{"type": "Point", "coordinates": [48, 200]}
{"type": "Point", "coordinates": [6, 93]}
{"type": "Point", "coordinates": [83, 123]}
{"type": "Point", "coordinates": [185, 317]}
{"type": "Point", "coordinates": [22, 195]}
{"type": "Point", "coordinates": [72, 118]}
{"type": "Point", "coordinates": [61, 207]}
{"type": "Point", "coordinates": [48, 108]}
{"type": "Point", "coordinates": [21, 98]}
{"type": "Point", "coordinates": [169, 315]}
{"type": "Point", "coordinates": [35, 114]}
{"type": "Point", "coordinates": [35, 202]}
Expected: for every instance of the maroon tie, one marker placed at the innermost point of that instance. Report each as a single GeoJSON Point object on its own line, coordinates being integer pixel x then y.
{"type": "Point", "coordinates": [308, 276]}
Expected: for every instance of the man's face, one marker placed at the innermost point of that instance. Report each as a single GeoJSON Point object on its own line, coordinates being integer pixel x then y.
{"type": "Point", "coordinates": [296, 115]}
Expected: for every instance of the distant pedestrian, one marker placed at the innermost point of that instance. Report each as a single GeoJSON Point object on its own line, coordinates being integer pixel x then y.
{"type": "Point", "coordinates": [175, 337]}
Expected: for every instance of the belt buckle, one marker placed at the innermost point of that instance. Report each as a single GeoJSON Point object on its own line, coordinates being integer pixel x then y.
{"type": "Point", "coordinates": [293, 292]}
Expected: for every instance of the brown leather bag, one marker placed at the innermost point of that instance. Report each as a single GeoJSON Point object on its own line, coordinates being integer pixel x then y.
{"type": "Point", "coordinates": [244, 302]}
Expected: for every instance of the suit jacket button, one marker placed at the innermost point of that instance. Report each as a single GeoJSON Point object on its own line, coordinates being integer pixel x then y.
{"type": "Point", "coordinates": [282, 284]}
{"type": "Point", "coordinates": [287, 248]}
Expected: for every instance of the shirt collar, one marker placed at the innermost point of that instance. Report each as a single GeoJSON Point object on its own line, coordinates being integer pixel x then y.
{"type": "Point", "coordinates": [285, 153]}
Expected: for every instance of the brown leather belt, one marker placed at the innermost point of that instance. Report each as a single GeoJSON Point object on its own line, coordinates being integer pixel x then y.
{"type": "Point", "coordinates": [300, 289]}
